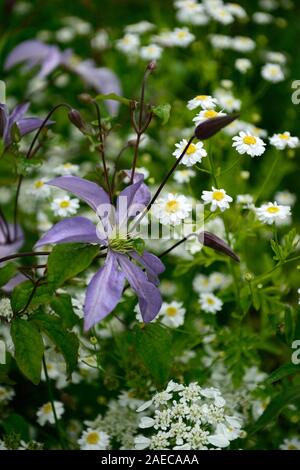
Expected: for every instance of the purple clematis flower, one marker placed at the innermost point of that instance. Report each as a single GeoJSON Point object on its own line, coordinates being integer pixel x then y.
{"type": "Point", "coordinates": [7, 121]}
{"type": "Point", "coordinates": [124, 259]}
{"type": "Point", "coordinates": [48, 57]}
{"type": "Point", "coordinates": [10, 243]}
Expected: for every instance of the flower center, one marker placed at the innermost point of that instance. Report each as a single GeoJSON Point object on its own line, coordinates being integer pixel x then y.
{"type": "Point", "coordinates": [292, 447]}
{"type": "Point", "coordinates": [124, 245]}
{"type": "Point", "coordinates": [93, 438]}
{"type": "Point", "coordinates": [172, 206]}
{"type": "Point", "coordinates": [210, 301]}
{"type": "Point", "coordinates": [64, 204]}
{"type": "Point", "coordinates": [218, 195]}
{"type": "Point", "coordinates": [283, 136]}
{"type": "Point", "coordinates": [249, 140]}
{"type": "Point", "coordinates": [171, 311]}
{"type": "Point", "coordinates": [181, 34]}
{"type": "Point", "coordinates": [273, 210]}
{"type": "Point", "coordinates": [47, 408]}
{"type": "Point", "coordinates": [191, 149]}
{"type": "Point", "coordinates": [201, 97]}
{"type": "Point", "coordinates": [210, 114]}
{"type": "Point", "coordinates": [39, 184]}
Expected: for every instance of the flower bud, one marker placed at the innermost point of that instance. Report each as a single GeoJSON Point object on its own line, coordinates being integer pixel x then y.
{"type": "Point", "coordinates": [76, 119]}
{"type": "Point", "coordinates": [212, 241]}
{"type": "Point", "coordinates": [210, 127]}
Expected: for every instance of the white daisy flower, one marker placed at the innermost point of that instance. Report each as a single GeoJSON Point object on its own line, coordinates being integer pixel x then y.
{"type": "Point", "coordinates": [128, 44]}
{"type": "Point", "coordinates": [93, 439]}
{"type": "Point", "coordinates": [236, 10]}
{"type": "Point", "coordinates": [45, 413]}
{"type": "Point", "coordinates": [39, 188]}
{"type": "Point", "coordinates": [276, 57]}
{"type": "Point", "coordinates": [201, 283]}
{"type": "Point", "coordinates": [272, 73]}
{"type": "Point", "coordinates": [67, 169]}
{"type": "Point", "coordinates": [151, 52]}
{"type": "Point", "coordinates": [222, 15]}
{"type": "Point", "coordinates": [193, 13]}
{"type": "Point", "coordinates": [172, 209]}
{"type": "Point", "coordinates": [100, 41]}
{"type": "Point", "coordinates": [193, 154]}
{"type": "Point", "coordinates": [243, 44]}
{"type": "Point", "coordinates": [245, 142]}
{"type": "Point", "coordinates": [217, 198]}
{"type": "Point", "coordinates": [272, 212]}
{"type": "Point", "coordinates": [261, 17]}
{"type": "Point", "coordinates": [204, 101]}
{"type": "Point", "coordinates": [210, 303]}
{"type": "Point", "coordinates": [207, 114]}
{"type": "Point", "coordinates": [219, 280]}
{"type": "Point", "coordinates": [292, 443]}
{"type": "Point", "coordinates": [64, 206]}
{"type": "Point", "coordinates": [228, 101]}
{"type": "Point", "coordinates": [183, 176]}
{"type": "Point", "coordinates": [243, 65]}
{"type": "Point", "coordinates": [6, 394]}
{"type": "Point", "coordinates": [182, 37]}
{"type": "Point", "coordinates": [220, 41]}
{"type": "Point", "coordinates": [140, 27]}
{"type": "Point", "coordinates": [245, 200]}
{"type": "Point", "coordinates": [284, 140]}
{"type": "Point", "coordinates": [285, 198]}
{"type": "Point", "coordinates": [172, 314]}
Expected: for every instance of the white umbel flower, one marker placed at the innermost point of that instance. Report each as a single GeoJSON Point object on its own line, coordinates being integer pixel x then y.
{"type": "Point", "coordinates": [172, 209]}
{"type": "Point", "coordinates": [183, 176]}
{"type": "Point", "coordinates": [202, 101]}
{"type": "Point", "coordinates": [247, 143]}
{"type": "Point", "coordinates": [151, 52]}
{"type": "Point", "coordinates": [64, 206]}
{"type": "Point", "coordinates": [272, 73]}
{"type": "Point", "coordinates": [93, 439]}
{"type": "Point", "coordinates": [172, 314]}
{"type": "Point", "coordinates": [284, 140]}
{"type": "Point", "coordinates": [6, 312]}
{"type": "Point", "coordinates": [207, 114]}
{"type": "Point", "coordinates": [210, 303]}
{"type": "Point", "coordinates": [217, 198]}
{"type": "Point", "coordinates": [193, 154]}
{"type": "Point", "coordinates": [272, 212]}
{"type": "Point", "coordinates": [45, 413]}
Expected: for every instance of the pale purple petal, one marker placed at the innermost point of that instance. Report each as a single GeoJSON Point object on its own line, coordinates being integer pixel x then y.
{"type": "Point", "coordinates": [72, 230]}
{"type": "Point", "coordinates": [103, 292]}
{"type": "Point", "coordinates": [18, 112]}
{"type": "Point", "coordinates": [151, 263]}
{"type": "Point", "coordinates": [149, 296]}
{"type": "Point", "coordinates": [143, 195]}
{"type": "Point", "coordinates": [27, 125]}
{"type": "Point", "coordinates": [17, 240]}
{"type": "Point", "coordinates": [12, 283]}
{"type": "Point", "coordinates": [4, 123]}
{"type": "Point", "coordinates": [26, 50]}
{"type": "Point", "coordinates": [86, 190]}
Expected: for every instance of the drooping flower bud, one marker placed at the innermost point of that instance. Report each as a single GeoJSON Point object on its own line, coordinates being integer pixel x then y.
{"type": "Point", "coordinates": [212, 241]}
{"type": "Point", "coordinates": [76, 119]}
{"type": "Point", "coordinates": [211, 126]}
{"type": "Point", "coordinates": [152, 66]}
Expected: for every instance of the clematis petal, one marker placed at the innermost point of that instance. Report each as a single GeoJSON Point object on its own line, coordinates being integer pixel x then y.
{"type": "Point", "coordinates": [18, 112]}
{"type": "Point", "coordinates": [26, 50]}
{"type": "Point", "coordinates": [143, 195]}
{"type": "Point", "coordinates": [104, 292]}
{"type": "Point", "coordinates": [149, 296]}
{"type": "Point", "coordinates": [17, 240]}
{"type": "Point", "coordinates": [151, 263]}
{"type": "Point", "coordinates": [27, 125]}
{"type": "Point", "coordinates": [86, 190]}
{"type": "Point", "coordinates": [72, 230]}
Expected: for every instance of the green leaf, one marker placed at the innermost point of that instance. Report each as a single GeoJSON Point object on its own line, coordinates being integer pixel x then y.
{"type": "Point", "coordinates": [16, 424]}
{"type": "Point", "coordinates": [162, 111]}
{"type": "Point", "coordinates": [114, 97]}
{"type": "Point", "coordinates": [26, 166]}
{"type": "Point", "coordinates": [6, 273]}
{"type": "Point", "coordinates": [68, 260]}
{"type": "Point", "coordinates": [153, 346]}
{"type": "Point", "coordinates": [23, 292]}
{"type": "Point", "coordinates": [62, 305]}
{"type": "Point", "coordinates": [283, 399]}
{"type": "Point", "coordinates": [283, 371]}
{"type": "Point", "coordinates": [66, 342]}
{"type": "Point", "coordinates": [289, 324]}
{"type": "Point", "coordinates": [29, 349]}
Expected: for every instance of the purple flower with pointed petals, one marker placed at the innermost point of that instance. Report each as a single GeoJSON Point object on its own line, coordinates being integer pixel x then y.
{"type": "Point", "coordinates": [16, 117]}
{"type": "Point", "coordinates": [10, 243]}
{"type": "Point", "coordinates": [48, 57]}
{"type": "Point", "coordinates": [123, 260]}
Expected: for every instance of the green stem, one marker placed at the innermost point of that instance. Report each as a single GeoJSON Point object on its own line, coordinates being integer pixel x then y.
{"type": "Point", "coordinates": [267, 179]}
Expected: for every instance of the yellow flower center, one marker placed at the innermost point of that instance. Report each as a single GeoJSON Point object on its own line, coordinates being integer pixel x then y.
{"type": "Point", "coordinates": [292, 447]}
{"type": "Point", "coordinates": [93, 438]}
{"type": "Point", "coordinates": [39, 184]}
{"type": "Point", "coordinates": [171, 311]}
{"type": "Point", "coordinates": [47, 408]}
{"type": "Point", "coordinates": [249, 140]}
{"type": "Point", "coordinates": [201, 97]}
{"type": "Point", "coordinates": [67, 165]}
{"type": "Point", "coordinates": [64, 204]}
{"type": "Point", "coordinates": [172, 206]}
{"type": "Point", "coordinates": [181, 34]}
{"type": "Point", "coordinates": [284, 136]}
{"type": "Point", "coordinates": [218, 195]}
{"type": "Point", "coordinates": [191, 149]}
{"type": "Point", "coordinates": [210, 301]}
{"type": "Point", "coordinates": [273, 210]}
{"type": "Point", "coordinates": [210, 113]}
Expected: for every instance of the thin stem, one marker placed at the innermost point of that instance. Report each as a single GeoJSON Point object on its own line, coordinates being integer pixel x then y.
{"type": "Point", "coordinates": [117, 166]}
{"type": "Point", "coordinates": [57, 425]}
{"type": "Point", "coordinates": [25, 254]}
{"type": "Point", "coordinates": [164, 253]}
{"type": "Point", "coordinates": [267, 179]}
{"type": "Point", "coordinates": [101, 150]}
{"type": "Point", "coordinates": [4, 226]}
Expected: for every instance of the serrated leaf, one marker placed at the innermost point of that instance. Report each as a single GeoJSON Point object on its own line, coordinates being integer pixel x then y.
{"type": "Point", "coordinates": [62, 305]}
{"type": "Point", "coordinates": [65, 341]}
{"type": "Point", "coordinates": [6, 273]}
{"type": "Point", "coordinates": [29, 349]}
{"type": "Point", "coordinates": [153, 346]}
{"type": "Point", "coordinates": [162, 111]}
{"type": "Point", "coordinates": [68, 260]}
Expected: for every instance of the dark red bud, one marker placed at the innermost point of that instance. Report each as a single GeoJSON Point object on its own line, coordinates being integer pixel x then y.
{"type": "Point", "coordinates": [76, 119]}
{"type": "Point", "coordinates": [210, 127]}
{"type": "Point", "coordinates": [212, 241]}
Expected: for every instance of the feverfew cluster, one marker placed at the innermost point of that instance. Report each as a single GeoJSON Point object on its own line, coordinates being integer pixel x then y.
{"type": "Point", "coordinates": [187, 418]}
